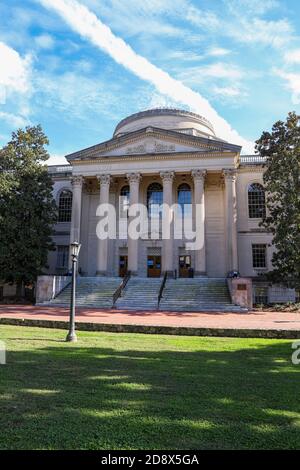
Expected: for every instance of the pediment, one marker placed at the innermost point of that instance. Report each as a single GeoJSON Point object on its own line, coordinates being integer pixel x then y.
{"type": "Point", "coordinates": [152, 145]}
{"type": "Point", "coordinates": [151, 141]}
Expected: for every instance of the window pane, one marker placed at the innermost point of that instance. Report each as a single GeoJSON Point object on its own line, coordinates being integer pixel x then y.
{"type": "Point", "coordinates": [154, 200]}
{"type": "Point", "coordinates": [259, 256]}
{"type": "Point", "coordinates": [256, 201]}
{"type": "Point", "coordinates": [124, 202]}
{"type": "Point", "coordinates": [62, 256]}
{"type": "Point", "coordinates": [185, 199]}
{"type": "Point", "coordinates": [65, 206]}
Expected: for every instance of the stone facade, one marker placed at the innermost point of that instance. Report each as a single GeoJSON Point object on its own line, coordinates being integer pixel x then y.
{"type": "Point", "coordinates": [172, 148]}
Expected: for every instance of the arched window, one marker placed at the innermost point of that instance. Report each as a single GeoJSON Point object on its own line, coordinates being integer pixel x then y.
{"type": "Point", "coordinates": [124, 201]}
{"type": "Point", "coordinates": [184, 198]}
{"type": "Point", "coordinates": [256, 201]}
{"type": "Point", "coordinates": [154, 199]}
{"type": "Point", "coordinates": [65, 206]}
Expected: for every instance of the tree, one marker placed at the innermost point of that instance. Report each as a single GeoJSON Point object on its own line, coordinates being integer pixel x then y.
{"type": "Point", "coordinates": [27, 208]}
{"type": "Point", "coordinates": [281, 148]}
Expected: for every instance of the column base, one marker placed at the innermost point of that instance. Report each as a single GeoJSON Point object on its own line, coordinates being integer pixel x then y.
{"type": "Point", "coordinates": [101, 273]}
{"type": "Point", "coordinates": [134, 273]}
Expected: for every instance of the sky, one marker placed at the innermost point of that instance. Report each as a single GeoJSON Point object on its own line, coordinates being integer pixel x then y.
{"type": "Point", "coordinates": [78, 67]}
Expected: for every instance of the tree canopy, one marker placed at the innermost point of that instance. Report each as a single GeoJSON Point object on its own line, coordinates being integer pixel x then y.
{"type": "Point", "coordinates": [27, 208]}
{"type": "Point", "coordinates": [281, 148]}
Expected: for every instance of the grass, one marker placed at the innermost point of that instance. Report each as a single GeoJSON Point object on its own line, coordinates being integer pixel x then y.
{"type": "Point", "coordinates": [133, 391]}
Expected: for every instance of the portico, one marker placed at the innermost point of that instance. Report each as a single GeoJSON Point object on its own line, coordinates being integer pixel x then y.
{"type": "Point", "coordinates": [165, 252]}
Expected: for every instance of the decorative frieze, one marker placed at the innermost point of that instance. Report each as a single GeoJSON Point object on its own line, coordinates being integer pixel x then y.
{"type": "Point", "coordinates": [104, 179]}
{"type": "Point", "coordinates": [198, 174]}
{"type": "Point", "coordinates": [230, 174]}
{"type": "Point", "coordinates": [77, 180]}
{"type": "Point", "coordinates": [167, 176]}
{"type": "Point", "coordinates": [134, 177]}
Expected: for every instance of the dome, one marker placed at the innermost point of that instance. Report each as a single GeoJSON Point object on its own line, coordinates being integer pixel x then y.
{"type": "Point", "coordinates": [171, 119]}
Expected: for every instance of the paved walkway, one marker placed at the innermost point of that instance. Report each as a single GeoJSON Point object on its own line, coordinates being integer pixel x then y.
{"type": "Point", "coordinates": [216, 320]}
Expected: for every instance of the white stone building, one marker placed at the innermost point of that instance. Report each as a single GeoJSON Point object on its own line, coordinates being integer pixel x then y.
{"type": "Point", "coordinates": [171, 156]}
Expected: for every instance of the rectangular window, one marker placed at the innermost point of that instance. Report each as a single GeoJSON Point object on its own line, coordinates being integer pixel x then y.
{"type": "Point", "coordinates": [62, 256]}
{"type": "Point", "coordinates": [260, 295]}
{"type": "Point", "coordinates": [259, 259]}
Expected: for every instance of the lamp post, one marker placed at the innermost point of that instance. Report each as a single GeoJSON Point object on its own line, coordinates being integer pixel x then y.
{"type": "Point", "coordinates": [75, 248]}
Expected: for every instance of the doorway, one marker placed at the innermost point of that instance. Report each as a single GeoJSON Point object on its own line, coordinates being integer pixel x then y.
{"type": "Point", "coordinates": [123, 265]}
{"type": "Point", "coordinates": [184, 265]}
{"type": "Point", "coordinates": [153, 266]}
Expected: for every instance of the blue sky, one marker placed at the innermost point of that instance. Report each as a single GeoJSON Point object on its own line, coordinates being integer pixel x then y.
{"type": "Point", "coordinates": [78, 67]}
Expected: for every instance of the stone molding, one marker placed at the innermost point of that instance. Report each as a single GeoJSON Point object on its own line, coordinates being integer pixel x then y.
{"type": "Point", "coordinates": [199, 175]}
{"type": "Point", "coordinates": [230, 175]}
{"type": "Point", "coordinates": [167, 176]}
{"type": "Point", "coordinates": [104, 179]}
{"type": "Point", "coordinates": [134, 177]}
{"type": "Point", "coordinates": [77, 180]}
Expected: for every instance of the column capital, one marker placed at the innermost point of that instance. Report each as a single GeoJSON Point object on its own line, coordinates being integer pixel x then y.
{"type": "Point", "coordinates": [134, 177]}
{"type": "Point", "coordinates": [104, 179]}
{"type": "Point", "coordinates": [230, 174]}
{"type": "Point", "coordinates": [199, 175]}
{"type": "Point", "coordinates": [167, 176]}
{"type": "Point", "coordinates": [77, 180]}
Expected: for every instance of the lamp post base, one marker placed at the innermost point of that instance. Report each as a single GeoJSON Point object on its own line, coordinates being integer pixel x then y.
{"type": "Point", "coordinates": [71, 338]}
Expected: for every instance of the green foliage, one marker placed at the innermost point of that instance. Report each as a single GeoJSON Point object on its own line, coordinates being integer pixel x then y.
{"type": "Point", "coordinates": [27, 208]}
{"type": "Point", "coordinates": [135, 391]}
{"type": "Point", "coordinates": [281, 148]}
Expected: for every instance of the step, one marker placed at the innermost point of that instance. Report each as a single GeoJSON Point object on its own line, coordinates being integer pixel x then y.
{"type": "Point", "coordinates": [197, 294]}
{"type": "Point", "coordinates": [90, 292]}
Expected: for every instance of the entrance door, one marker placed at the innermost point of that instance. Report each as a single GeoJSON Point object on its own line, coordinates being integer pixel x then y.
{"type": "Point", "coordinates": [123, 265]}
{"type": "Point", "coordinates": [154, 266]}
{"type": "Point", "coordinates": [184, 265]}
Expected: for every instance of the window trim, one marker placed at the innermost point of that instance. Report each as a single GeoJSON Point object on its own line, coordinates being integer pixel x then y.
{"type": "Point", "coordinates": [58, 204]}
{"type": "Point", "coordinates": [256, 182]}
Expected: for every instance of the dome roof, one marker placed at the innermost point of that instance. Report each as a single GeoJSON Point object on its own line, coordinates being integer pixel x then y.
{"type": "Point", "coordinates": [165, 118]}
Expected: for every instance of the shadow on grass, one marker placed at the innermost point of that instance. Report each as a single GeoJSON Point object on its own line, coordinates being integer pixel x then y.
{"type": "Point", "coordinates": [66, 397]}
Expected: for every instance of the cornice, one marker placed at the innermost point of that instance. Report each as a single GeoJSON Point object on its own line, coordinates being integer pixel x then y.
{"type": "Point", "coordinates": [251, 169]}
{"type": "Point", "coordinates": [162, 134]}
{"type": "Point", "coordinates": [155, 157]}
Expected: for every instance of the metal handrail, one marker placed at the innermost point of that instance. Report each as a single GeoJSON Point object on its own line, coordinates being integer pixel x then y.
{"type": "Point", "coordinates": [162, 286]}
{"type": "Point", "coordinates": [121, 287]}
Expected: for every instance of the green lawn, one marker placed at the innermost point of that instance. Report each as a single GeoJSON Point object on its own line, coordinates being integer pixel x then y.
{"type": "Point", "coordinates": [133, 391]}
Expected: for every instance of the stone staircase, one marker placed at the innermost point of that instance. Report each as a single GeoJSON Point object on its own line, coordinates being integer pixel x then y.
{"type": "Point", "coordinates": [196, 295]}
{"type": "Point", "coordinates": [90, 292]}
{"type": "Point", "coordinates": [140, 294]}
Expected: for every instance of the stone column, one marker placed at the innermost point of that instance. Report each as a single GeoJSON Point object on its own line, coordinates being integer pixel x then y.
{"type": "Point", "coordinates": [199, 211]}
{"type": "Point", "coordinates": [231, 219]}
{"type": "Point", "coordinates": [133, 245]}
{"type": "Point", "coordinates": [102, 245]}
{"type": "Point", "coordinates": [167, 252]}
{"type": "Point", "coordinates": [77, 182]}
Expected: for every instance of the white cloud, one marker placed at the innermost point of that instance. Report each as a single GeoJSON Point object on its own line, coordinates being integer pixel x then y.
{"type": "Point", "coordinates": [257, 7]}
{"type": "Point", "coordinates": [14, 72]}
{"type": "Point", "coordinates": [201, 18]}
{"type": "Point", "coordinates": [218, 51]}
{"type": "Point", "coordinates": [44, 41]}
{"type": "Point", "coordinates": [258, 31]}
{"type": "Point", "coordinates": [13, 119]}
{"type": "Point", "coordinates": [84, 22]}
{"type": "Point", "coordinates": [292, 57]}
{"type": "Point", "coordinates": [292, 83]}
{"type": "Point", "coordinates": [228, 91]}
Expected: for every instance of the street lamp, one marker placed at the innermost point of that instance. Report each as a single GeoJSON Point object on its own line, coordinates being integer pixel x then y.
{"type": "Point", "coordinates": [75, 248]}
